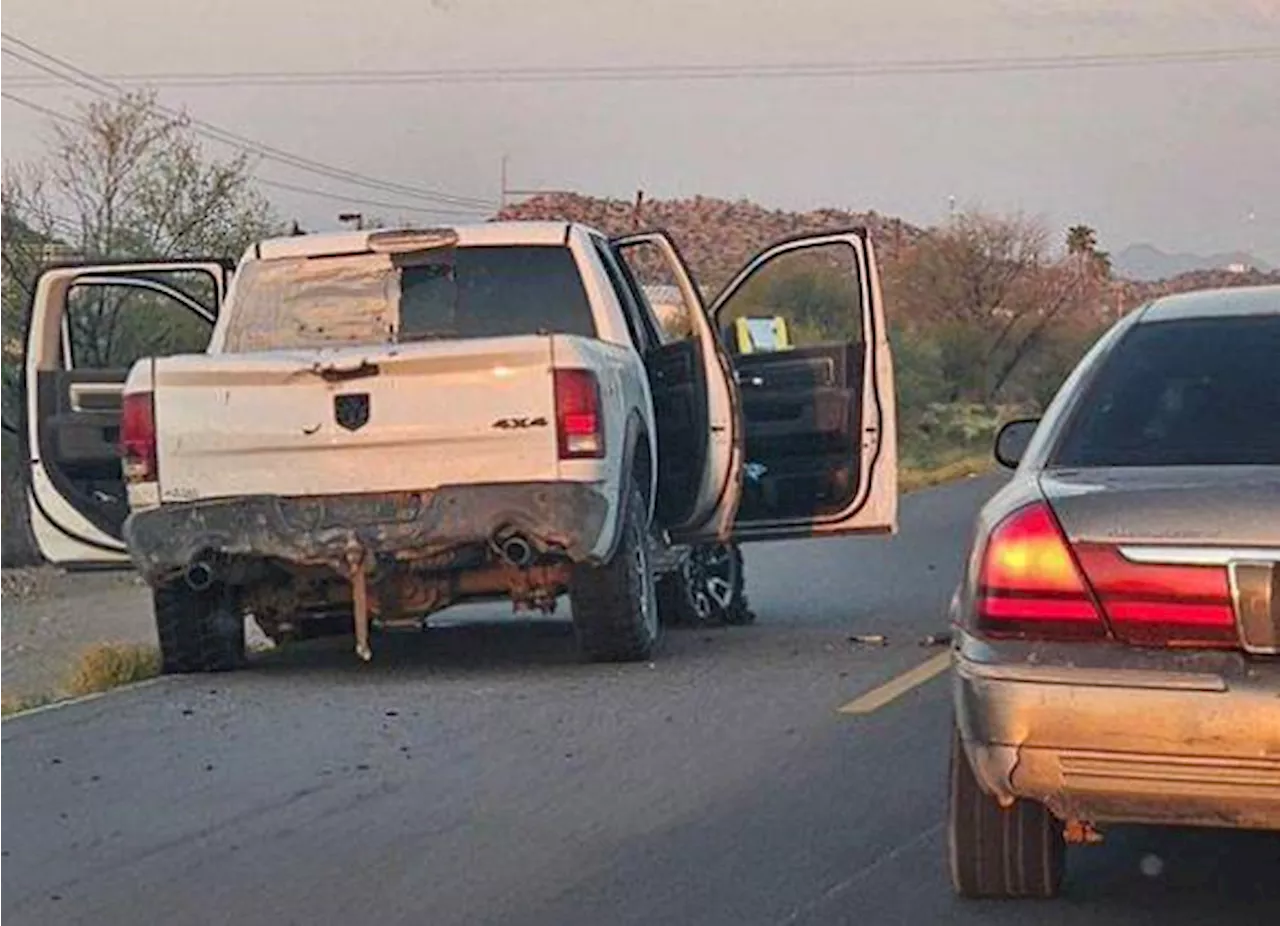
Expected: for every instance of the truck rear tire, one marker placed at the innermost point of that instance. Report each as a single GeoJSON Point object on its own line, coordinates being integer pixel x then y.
{"type": "Point", "coordinates": [1000, 852]}
{"type": "Point", "coordinates": [199, 631]}
{"type": "Point", "coordinates": [615, 606]}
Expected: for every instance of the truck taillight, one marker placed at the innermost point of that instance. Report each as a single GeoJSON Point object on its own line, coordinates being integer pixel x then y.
{"type": "Point", "coordinates": [579, 424]}
{"type": "Point", "coordinates": [138, 438]}
{"type": "Point", "coordinates": [1035, 585]}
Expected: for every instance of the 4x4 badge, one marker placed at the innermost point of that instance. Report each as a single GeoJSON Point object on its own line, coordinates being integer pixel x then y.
{"type": "Point", "coordinates": [507, 424]}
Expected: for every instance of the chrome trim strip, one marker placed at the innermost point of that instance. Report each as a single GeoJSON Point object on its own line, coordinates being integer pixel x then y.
{"type": "Point", "coordinates": [1090, 677]}
{"type": "Point", "coordinates": [1198, 556]}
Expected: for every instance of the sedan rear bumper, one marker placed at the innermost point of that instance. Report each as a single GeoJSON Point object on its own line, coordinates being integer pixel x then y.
{"type": "Point", "coordinates": [1125, 744]}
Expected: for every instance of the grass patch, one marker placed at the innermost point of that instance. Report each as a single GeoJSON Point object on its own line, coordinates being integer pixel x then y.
{"type": "Point", "coordinates": [109, 665]}
{"type": "Point", "coordinates": [943, 442]}
{"type": "Point", "coordinates": [15, 705]}
{"type": "Point", "coordinates": [100, 668]}
{"type": "Point", "coordinates": [914, 477]}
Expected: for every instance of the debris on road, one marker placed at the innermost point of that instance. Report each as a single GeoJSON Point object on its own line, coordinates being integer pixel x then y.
{"type": "Point", "coordinates": [869, 639]}
{"type": "Point", "coordinates": [936, 639]}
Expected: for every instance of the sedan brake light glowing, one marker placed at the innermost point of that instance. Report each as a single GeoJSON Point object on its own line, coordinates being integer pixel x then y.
{"type": "Point", "coordinates": [1035, 584]}
{"type": "Point", "coordinates": [1029, 583]}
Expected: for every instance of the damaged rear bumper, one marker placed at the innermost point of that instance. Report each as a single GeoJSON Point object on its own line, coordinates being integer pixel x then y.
{"type": "Point", "coordinates": [565, 519]}
{"type": "Point", "coordinates": [1124, 739]}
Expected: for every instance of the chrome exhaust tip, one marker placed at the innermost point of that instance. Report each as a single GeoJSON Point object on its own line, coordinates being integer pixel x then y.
{"type": "Point", "coordinates": [515, 550]}
{"type": "Point", "coordinates": [199, 576]}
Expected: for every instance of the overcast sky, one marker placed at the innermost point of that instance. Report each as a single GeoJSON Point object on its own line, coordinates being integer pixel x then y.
{"type": "Point", "coordinates": [1176, 155]}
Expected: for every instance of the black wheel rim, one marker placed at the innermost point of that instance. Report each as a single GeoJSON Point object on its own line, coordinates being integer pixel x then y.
{"type": "Point", "coordinates": [712, 580]}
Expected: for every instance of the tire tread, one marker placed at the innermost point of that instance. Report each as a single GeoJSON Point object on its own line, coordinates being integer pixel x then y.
{"type": "Point", "coordinates": [606, 615]}
{"type": "Point", "coordinates": [1000, 852]}
{"type": "Point", "coordinates": [197, 631]}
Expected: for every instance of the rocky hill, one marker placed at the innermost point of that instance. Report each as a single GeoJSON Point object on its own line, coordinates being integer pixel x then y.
{"type": "Point", "coordinates": [716, 236]}
{"type": "Point", "coordinates": [1136, 292]}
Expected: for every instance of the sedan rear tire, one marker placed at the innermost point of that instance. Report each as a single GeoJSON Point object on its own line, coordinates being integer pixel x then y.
{"type": "Point", "coordinates": [1000, 852]}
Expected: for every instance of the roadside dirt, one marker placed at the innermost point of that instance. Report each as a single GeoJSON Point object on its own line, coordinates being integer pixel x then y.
{"type": "Point", "coordinates": [50, 617]}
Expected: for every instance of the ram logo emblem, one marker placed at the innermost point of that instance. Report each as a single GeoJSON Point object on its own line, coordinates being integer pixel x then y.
{"type": "Point", "coordinates": [351, 411]}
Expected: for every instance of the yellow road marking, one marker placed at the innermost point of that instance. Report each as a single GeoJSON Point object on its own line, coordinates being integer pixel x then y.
{"type": "Point", "coordinates": [877, 698]}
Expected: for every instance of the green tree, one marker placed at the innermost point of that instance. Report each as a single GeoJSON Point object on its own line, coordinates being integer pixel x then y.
{"type": "Point", "coordinates": [815, 293]}
{"type": "Point", "coordinates": [1082, 244]}
{"type": "Point", "coordinates": [986, 286]}
{"type": "Point", "coordinates": [124, 181]}
{"type": "Point", "coordinates": [1081, 239]}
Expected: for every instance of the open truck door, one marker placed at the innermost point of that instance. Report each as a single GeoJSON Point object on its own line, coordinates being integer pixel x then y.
{"type": "Point", "coordinates": [793, 435]}
{"type": "Point", "coordinates": [820, 451]}
{"type": "Point", "coordinates": [691, 381]}
{"type": "Point", "coordinates": [88, 326]}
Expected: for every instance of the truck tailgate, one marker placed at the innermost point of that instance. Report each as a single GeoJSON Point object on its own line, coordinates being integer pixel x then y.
{"type": "Point", "coordinates": [397, 418]}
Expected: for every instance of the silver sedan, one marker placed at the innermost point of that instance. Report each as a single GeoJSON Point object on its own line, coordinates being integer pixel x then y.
{"type": "Point", "coordinates": [1117, 631]}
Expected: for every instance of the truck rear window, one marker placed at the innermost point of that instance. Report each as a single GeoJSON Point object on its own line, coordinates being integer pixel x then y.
{"type": "Point", "coordinates": [350, 299]}
{"type": "Point", "coordinates": [1193, 392]}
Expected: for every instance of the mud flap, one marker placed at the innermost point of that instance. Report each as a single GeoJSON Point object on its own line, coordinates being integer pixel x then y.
{"type": "Point", "coordinates": [360, 604]}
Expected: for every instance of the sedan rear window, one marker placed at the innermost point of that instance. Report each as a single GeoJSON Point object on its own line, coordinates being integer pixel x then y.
{"type": "Point", "coordinates": [371, 299]}
{"type": "Point", "coordinates": [1191, 392]}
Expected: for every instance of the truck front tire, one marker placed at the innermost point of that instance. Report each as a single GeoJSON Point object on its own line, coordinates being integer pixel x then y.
{"type": "Point", "coordinates": [708, 590]}
{"type": "Point", "coordinates": [199, 631]}
{"type": "Point", "coordinates": [615, 606]}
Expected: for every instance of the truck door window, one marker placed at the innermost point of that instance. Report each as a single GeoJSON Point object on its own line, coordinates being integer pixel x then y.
{"type": "Point", "coordinates": [110, 325]}
{"type": "Point", "coordinates": [643, 335]}
{"type": "Point", "coordinates": [804, 298]}
{"type": "Point", "coordinates": [649, 274]}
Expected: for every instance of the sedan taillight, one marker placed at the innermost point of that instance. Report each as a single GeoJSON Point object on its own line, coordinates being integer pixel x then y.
{"type": "Point", "coordinates": [1161, 604]}
{"type": "Point", "coordinates": [1035, 584]}
{"type": "Point", "coordinates": [1030, 584]}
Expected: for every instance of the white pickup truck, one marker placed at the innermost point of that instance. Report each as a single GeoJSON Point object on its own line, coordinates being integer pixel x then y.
{"type": "Point", "coordinates": [371, 426]}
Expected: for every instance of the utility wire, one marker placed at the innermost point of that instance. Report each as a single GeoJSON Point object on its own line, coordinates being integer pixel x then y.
{"type": "Point", "coordinates": [52, 113]}
{"type": "Point", "coordinates": [66, 224]}
{"type": "Point", "coordinates": [87, 81]}
{"type": "Point", "coordinates": [342, 198]}
{"type": "Point", "coordinates": [688, 72]}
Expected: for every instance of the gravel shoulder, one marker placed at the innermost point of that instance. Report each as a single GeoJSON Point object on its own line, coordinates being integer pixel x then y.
{"type": "Point", "coordinates": [49, 617]}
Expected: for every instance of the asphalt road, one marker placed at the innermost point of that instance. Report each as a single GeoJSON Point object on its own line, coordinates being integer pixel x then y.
{"type": "Point", "coordinates": [479, 775]}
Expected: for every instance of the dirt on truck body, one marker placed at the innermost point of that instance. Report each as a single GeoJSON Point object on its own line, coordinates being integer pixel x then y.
{"type": "Point", "coordinates": [412, 553]}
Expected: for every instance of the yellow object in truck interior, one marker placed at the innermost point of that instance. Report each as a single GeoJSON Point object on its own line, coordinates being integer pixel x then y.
{"type": "Point", "coordinates": [761, 335]}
